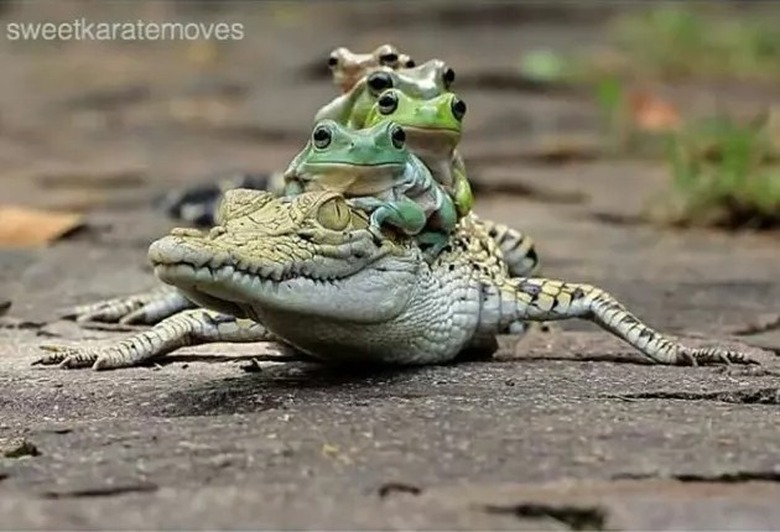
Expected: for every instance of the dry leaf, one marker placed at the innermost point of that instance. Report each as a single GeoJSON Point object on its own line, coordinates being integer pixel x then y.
{"type": "Point", "coordinates": [651, 113]}
{"type": "Point", "coordinates": [27, 227]}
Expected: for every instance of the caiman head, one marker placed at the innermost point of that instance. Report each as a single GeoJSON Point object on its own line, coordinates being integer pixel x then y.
{"type": "Point", "coordinates": [307, 255]}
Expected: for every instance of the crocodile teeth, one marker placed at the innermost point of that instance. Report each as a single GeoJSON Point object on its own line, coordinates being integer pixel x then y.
{"type": "Point", "coordinates": [219, 259]}
{"type": "Point", "coordinates": [241, 265]}
{"type": "Point", "coordinates": [277, 274]}
{"type": "Point", "coordinates": [225, 273]}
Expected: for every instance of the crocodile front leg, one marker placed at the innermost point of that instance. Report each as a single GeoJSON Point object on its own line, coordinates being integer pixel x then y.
{"type": "Point", "coordinates": [538, 299]}
{"type": "Point", "coordinates": [188, 328]}
{"type": "Point", "coordinates": [145, 308]}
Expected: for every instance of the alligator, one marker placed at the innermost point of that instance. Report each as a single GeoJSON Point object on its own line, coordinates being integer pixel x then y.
{"type": "Point", "coordinates": [306, 271]}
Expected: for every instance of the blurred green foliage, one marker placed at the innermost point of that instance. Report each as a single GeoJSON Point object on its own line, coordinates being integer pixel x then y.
{"type": "Point", "coordinates": [688, 39]}
{"type": "Point", "coordinates": [674, 41]}
{"type": "Point", "coordinates": [721, 176]}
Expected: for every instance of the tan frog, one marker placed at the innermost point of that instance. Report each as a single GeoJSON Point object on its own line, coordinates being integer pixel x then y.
{"type": "Point", "coordinates": [348, 67]}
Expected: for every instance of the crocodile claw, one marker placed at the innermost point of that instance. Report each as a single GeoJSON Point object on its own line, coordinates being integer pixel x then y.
{"type": "Point", "coordinates": [66, 357]}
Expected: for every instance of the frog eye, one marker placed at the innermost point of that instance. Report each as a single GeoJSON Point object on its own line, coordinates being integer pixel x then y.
{"type": "Point", "coordinates": [410, 63]}
{"type": "Point", "coordinates": [379, 81]}
{"type": "Point", "coordinates": [333, 61]}
{"type": "Point", "coordinates": [387, 103]}
{"type": "Point", "coordinates": [389, 58]}
{"type": "Point", "coordinates": [334, 214]}
{"type": "Point", "coordinates": [398, 136]}
{"type": "Point", "coordinates": [448, 77]}
{"type": "Point", "coordinates": [458, 107]}
{"type": "Point", "coordinates": [321, 137]}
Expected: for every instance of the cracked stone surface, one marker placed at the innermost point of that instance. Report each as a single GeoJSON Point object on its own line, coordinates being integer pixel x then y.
{"type": "Point", "coordinates": [553, 434]}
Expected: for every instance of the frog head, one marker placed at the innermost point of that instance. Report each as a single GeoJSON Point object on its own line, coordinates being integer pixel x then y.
{"type": "Point", "coordinates": [339, 158]}
{"type": "Point", "coordinates": [425, 81]}
{"type": "Point", "coordinates": [348, 67]}
{"type": "Point", "coordinates": [432, 125]}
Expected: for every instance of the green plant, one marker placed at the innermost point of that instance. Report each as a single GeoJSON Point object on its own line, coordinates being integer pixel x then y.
{"type": "Point", "coordinates": [720, 176]}
{"type": "Point", "coordinates": [676, 40]}
{"type": "Point", "coordinates": [611, 100]}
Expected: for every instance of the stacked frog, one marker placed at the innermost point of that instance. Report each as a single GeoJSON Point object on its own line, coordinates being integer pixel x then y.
{"type": "Point", "coordinates": [388, 142]}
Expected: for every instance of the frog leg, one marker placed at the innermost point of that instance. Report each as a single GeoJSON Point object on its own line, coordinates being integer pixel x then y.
{"type": "Point", "coordinates": [440, 225]}
{"type": "Point", "coordinates": [434, 243]}
{"type": "Point", "coordinates": [462, 194]}
{"type": "Point", "coordinates": [403, 214]}
{"type": "Point", "coordinates": [420, 185]}
{"type": "Point", "coordinates": [445, 217]}
{"type": "Point", "coordinates": [292, 188]}
{"type": "Point", "coordinates": [340, 108]}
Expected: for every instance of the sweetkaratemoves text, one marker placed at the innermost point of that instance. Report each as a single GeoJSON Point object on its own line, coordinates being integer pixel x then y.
{"type": "Point", "coordinates": [140, 30]}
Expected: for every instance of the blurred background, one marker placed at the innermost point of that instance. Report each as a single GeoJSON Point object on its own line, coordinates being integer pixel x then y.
{"type": "Point", "coordinates": [658, 113]}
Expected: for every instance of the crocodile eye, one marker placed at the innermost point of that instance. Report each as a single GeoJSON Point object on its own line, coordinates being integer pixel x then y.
{"type": "Point", "coordinates": [398, 136]}
{"type": "Point", "coordinates": [379, 81]}
{"type": "Point", "coordinates": [334, 214]}
{"type": "Point", "coordinates": [332, 62]}
{"type": "Point", "coordinates": [448, 77]}
{"type": "Point", "coordinates": [458, 107]}
{"type": "Point", "coordinates": [389, 58]}
{"type": "Point", "coordinates": [387, 103]}
{"type": "Point", "coordinates": [321, 137]}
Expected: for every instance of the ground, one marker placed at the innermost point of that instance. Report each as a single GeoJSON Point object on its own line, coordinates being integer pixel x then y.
{"type": "Point", "coordinates": [552, 434]}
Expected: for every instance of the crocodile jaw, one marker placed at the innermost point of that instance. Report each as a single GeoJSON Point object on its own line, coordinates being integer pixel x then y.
{"type": "Point", "coordinates": [372, 293]}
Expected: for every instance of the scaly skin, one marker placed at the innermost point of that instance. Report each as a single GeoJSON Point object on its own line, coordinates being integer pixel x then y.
{"type": "Point", "coordinates": [373, 166]}
{"type": "Point", "coordinates": [348, 67]}
{"type": "Point", "coordinates": [433, 130]}
{"type": "Point", "coordinates": [306, 270]}
{"type": "Point", "coordinates": [425, 81]}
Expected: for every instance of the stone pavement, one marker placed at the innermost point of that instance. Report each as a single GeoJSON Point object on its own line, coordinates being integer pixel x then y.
{"type": "Point", "coordinates": [552, 434]}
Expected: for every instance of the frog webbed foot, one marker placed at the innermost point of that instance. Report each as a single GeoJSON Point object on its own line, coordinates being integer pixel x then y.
{"type": "Point", "coordinates": [404, 215]}
{"type": "Point", "coordinates": [432, 244]}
